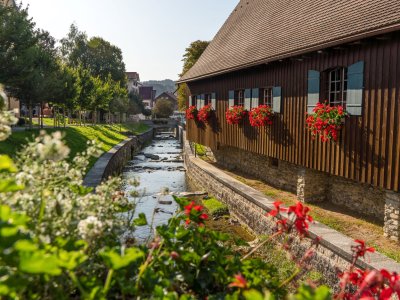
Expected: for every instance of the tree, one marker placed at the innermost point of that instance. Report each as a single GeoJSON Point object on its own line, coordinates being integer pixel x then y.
{"type": "Point", "coordinates": [95, 54]}
{"type": "Point", "coordinates": [135, 104]}
{"type": "Point", "coordinates": [163, 109]}
{"type": "Point", "coordinates": [192, 54]}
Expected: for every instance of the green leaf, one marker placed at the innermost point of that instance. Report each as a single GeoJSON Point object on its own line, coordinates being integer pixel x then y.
{"type": "Point", "coordinates": [9, 185]}
{"type": "Point", "coordinates": [25, 245]}
{"type": "Point", "coordinates": [305, 292]}
{"type": "Point", "coordinates": [71, 260]}
{"type": "Point", "coordinates": [6, 164]}
{"type": "Point", "coordinates": [141, 220]}
{"type": "Point", "coordinates": [39, 262]}
{"type": "Point", "coordinates": [81, 190]}
{"type": "Point", "coordinates": [115, 261]}
{"type": "Point", "coordinates": [254, 295]}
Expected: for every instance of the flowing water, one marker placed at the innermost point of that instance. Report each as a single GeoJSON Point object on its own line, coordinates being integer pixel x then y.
{"type": "Point", "coordinates": [159, 169]}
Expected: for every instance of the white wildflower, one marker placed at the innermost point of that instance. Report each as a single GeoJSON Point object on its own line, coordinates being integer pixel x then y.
{"type": "Point", "coordinates": [89, 228]}
{"type": "Point", "coordinates": [51, 147]}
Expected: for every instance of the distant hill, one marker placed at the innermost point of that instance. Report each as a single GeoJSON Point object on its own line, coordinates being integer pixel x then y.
{"type": "Point", "coordinates": [161, 86]}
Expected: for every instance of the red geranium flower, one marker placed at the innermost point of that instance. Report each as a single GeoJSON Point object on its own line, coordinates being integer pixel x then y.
{"type": "Point", "coordinates": [239, 282]}
{"type": "Point", "coordinates": [360, 250]}
{"type": "Point", "coordinates": [325, 121]}
{"type": "Point", "coordinates": [191, 112]}
{"type": "Point", "coordinates": [261, 116]}
{"type": "Point", "coordinates": [235, 114]}
{"type": "Point", "coordinates": [204, 113]}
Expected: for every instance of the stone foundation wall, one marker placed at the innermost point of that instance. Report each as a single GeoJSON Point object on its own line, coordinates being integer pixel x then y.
{"type": "Point", "coordinates": [282, 175]}
{"type": "Point", "coordinates": [249, 207]}
{"type": "Point", "coordinates": [308, 184]}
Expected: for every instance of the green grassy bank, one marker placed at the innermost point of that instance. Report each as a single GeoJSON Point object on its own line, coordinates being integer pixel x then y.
{"type": "Point", "coordinates": [76, 137]}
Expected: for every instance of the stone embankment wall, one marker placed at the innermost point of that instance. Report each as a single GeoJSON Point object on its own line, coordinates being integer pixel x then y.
{"type": "Point", "coordinates": [112, 162]}
{"type": "Point", "coordinates": [249, 206]}
{"type": "Point", "coordinates": [314, 186]}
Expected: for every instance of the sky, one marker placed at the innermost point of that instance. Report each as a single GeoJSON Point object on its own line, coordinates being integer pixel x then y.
{"type": "Point", "coordinates": [152, 34]}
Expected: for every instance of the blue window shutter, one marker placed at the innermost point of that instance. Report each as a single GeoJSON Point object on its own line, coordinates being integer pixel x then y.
{"type": "Point", "coordinates": [190, 101]}
{"type": "Point", "coordinates": [313, 90]}
{"type": "Point", "coordinates": [214, 101]}
{"type": "Point", "coordinates": [276, 99]}
{"type": "Point", "coordinates": [255, 95]}
{"type": "Point", "coordinates": [198, 102]}
{"type": "Point", "coordinates": [247, 99]}
{"type": "Point", "coordinates": [231, 98]}
{"type": "Point", "coordinates": [355, 85]}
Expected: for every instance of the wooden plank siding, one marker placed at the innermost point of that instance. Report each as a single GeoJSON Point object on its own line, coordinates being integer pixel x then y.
{"type": "Point", "coordinates": [369, 147]}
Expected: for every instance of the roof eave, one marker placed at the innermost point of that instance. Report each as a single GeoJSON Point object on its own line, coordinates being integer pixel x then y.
{"type": "Point", "coordinates": [344, 40]}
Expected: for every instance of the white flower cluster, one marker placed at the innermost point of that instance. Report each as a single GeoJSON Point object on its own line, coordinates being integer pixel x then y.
{"type": "Point", "coordinates": [6, 118]}
{"type": "Point", "coordinates": [51, 147]}
{"type": "Point", "coordinates": [70, 211]}
{"type": "Point", "coordinates": [90, 228]}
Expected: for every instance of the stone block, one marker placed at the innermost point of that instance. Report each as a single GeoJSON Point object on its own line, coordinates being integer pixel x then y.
{"type": "Point", "coordinates": [392, 216]}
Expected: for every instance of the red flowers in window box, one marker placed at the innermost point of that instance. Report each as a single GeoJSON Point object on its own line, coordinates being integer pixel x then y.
{"type": "Point", "coordinates": [191, 112]}
{"type": "Point", "coordinates": [235, 114]}
{"type": "Point", "coordinates": [261, 116]}
{"type": "Point", "coordinates": [326, 121]}
{"type": "Point", "coordinates": [204, 114]}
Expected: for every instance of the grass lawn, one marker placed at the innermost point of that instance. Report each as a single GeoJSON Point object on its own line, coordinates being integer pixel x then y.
{"type": "Point", "coordinates": [76, 137]}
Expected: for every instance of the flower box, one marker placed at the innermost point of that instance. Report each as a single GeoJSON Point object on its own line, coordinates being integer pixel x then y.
{"type": "Point", "coordinates": [204, 114]}
{"type": "Point", "coordinates": [326, 121]}
{"type": "Point", "coordinates": [235, 114]}
{"type": "Point", "coordinates": [261, 116]}
{"type": "Point", "coordinates": [191, 113]}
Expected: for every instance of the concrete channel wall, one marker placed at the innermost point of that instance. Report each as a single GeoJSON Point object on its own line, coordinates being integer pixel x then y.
{"type": "Point", "coordinates": [249, 206]}
{"type": "Point", "coordinates": [112, 162]}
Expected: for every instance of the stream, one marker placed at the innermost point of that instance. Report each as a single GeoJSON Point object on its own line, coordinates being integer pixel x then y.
{"type": "Point", "coordinates": [160, 171]}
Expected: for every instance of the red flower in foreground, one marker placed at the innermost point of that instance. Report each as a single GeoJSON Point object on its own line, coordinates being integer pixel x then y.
{"type": "Point", "coordinates": [239, 282]}
{"type": "Point", "coordinates": [301, 217]}
{"type": "Point", "coordinates": [278, 209]}
{"type": "Point", "coordinates": [392, 287]}
{"type": "Point", "coordinates": [360, 250]}
{"type": "Point", "coordinates": [195, 213]}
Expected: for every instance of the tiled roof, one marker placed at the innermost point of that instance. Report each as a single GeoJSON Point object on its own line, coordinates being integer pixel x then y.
{"type": "Point", "coordinates": [133, 75]}
{"type": "Point", "coordinates": [167, 94]}
{"type": "Point", "coordinates": [259, 31]}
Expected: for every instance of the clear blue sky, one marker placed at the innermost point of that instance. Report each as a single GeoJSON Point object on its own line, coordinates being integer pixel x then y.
{"type": "Point", "coordinates": [152, 34]}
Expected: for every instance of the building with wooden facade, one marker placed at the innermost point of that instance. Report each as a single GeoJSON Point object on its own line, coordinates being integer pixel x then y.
{"type": "Point", "coordinates": [290, 54]}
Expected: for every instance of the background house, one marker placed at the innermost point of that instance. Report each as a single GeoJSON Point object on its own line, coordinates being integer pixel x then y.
{"type": "Point", "coordinates": [147, 94]}
{"type": "Point", "coordinates": [133, 82]}
{"type": "Point", "coordinates": [290, 55]}
{"type": "Point", "coordinates": [169, 97]}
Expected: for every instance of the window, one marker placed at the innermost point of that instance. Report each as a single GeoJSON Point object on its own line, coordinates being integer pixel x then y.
{"type": "Point", "coordinates": [337, 86]}
{"type": "Point", "coordinates": [266, 96]}
{"type": "Point", "coordinates": [239, 98]}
